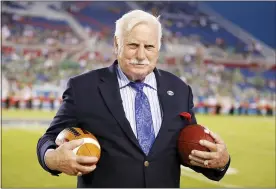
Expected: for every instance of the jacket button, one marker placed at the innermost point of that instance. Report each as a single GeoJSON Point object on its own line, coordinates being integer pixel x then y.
{"type": "Point", "coordinates": [146, 163]}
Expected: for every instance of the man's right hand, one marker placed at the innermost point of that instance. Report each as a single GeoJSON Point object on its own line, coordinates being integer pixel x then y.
{"type": "Point", "coordinates": [63, 159]}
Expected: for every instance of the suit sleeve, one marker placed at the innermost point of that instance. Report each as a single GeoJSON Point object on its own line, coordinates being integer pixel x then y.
{"type": "Point", "coordinates": [212, 174]}
{"type": "Point", "coordinates": [66, 116]}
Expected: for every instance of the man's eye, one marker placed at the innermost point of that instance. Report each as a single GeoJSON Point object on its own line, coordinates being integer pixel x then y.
{"type": "Point", "coordinates": [149, 46]}
{"type": "Point", "coordinates": [133, 45]}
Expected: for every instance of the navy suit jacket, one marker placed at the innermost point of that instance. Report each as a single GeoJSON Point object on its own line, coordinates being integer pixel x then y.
{"type": "Point", "coordinates": [92, 101]}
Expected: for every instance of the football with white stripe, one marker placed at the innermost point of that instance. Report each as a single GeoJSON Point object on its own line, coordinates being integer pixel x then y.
{"type": "Point", "coordinates": [90, 146]}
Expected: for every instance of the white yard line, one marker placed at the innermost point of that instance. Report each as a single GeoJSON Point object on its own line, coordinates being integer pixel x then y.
{"type": "Point", "coordinates": [29, 128]}
{"type": "Point", "coordinates": [187, 173]}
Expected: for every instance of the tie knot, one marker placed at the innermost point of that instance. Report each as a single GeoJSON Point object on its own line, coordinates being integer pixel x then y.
{"type": "Point", "coordinates": [138, 86]}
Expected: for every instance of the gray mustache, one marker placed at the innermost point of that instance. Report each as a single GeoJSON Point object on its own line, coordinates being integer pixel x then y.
{"type": "Point", "coordinates": [144, 62]}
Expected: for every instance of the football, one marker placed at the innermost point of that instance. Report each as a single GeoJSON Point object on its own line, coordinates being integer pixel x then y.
{"type": "Point", "coordinates": [189, 138]}
{"type": "Point", "coordinates": [90, 146]}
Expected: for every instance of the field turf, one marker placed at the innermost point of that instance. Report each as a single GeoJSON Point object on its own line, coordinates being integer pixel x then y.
{"type": "Point", "coordinates": [250, 141]}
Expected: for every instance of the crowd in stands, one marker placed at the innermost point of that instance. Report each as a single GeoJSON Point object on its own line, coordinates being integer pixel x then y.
{"type": "Point", "coordinates": [23, 30]}
{"type": "Point", "coordinates": [185, 20]}
{"type": "Point", "coordinates": [60, 53]}
{"type": "Point", "coordinates": [214, 86]}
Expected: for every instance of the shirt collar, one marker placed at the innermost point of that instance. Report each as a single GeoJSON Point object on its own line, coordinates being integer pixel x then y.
{"type": "Point", "coordinates": [150, 79]}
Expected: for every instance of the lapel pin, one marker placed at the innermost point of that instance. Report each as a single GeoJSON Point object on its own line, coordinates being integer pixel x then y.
{"type": "Point", "coordinates": [170, 93]}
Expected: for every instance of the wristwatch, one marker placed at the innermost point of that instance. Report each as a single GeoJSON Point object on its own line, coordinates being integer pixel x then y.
{"type": "Point", "coordinates": [222, 168]}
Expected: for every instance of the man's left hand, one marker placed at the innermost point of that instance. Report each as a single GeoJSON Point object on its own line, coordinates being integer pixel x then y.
{"type": "Point", "coordinates": [217, 158]}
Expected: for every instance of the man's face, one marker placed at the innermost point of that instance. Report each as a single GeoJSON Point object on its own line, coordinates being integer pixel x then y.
{"type": "Point", "coordinates": [139, 53]}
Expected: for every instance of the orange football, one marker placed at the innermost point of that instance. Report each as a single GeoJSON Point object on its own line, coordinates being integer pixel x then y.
{"type": "Point", "coordinates": [90, 147]}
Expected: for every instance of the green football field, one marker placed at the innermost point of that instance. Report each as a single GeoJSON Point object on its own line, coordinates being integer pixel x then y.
{"type": "Point", "coordinates": [250, 141]}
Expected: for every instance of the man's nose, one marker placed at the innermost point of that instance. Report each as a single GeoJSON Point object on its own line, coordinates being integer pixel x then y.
{"type": "Point", "coordinates": [141, 53]}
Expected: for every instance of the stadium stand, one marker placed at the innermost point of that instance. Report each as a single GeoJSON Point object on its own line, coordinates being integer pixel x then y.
{"type": "Point", "coordinates": [40, 52]}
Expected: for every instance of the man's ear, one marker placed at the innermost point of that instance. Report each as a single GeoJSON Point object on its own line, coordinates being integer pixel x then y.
{"type": "Point", "coordinates": [116, 45]}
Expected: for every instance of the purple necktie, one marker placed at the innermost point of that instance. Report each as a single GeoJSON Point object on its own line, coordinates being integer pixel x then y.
{"type": "Point", "coordinates": [144, 124]}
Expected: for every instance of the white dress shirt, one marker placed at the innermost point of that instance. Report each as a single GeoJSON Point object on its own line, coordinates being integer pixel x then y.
{"type": "Point", "coordinates": [128, 98]}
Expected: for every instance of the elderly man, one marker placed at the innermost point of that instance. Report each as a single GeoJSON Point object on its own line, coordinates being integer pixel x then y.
{"type": "Point", "coordinates": [133, 110]}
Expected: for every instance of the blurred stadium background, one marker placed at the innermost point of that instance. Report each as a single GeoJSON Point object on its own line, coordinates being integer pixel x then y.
{"type": "Point", "coordinates": [231, 70]}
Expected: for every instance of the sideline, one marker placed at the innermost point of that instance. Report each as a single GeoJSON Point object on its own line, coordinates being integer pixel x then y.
{"type": "Point", "coordinates": [187, 172]}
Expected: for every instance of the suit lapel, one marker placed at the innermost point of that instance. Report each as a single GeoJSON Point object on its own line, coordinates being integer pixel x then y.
{"type": "Point", "coordinates": [168, 108]}
{"type": "Point", "coordinates": [109, 89]}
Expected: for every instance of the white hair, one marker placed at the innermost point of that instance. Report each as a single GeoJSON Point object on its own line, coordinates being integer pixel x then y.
{"type": "Point", "coordinates": [129, 20]}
